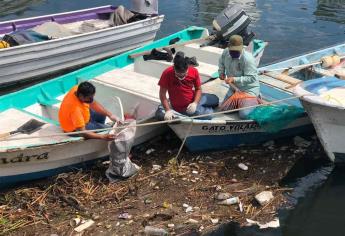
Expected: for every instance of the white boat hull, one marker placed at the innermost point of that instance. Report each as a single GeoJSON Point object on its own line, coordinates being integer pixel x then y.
{"type": "Point", "coordinates": [206, 136]}
{"type": "Point", "coordinates": [33, 60]}
{"type": "Point", "coordinates": [329, 123]}
{"type": "Point", "coordinates": [323, 100]}
{"type": "Point", "coordinates": [43, 161]}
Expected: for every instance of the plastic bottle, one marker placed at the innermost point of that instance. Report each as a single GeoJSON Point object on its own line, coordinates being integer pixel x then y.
{"type": "Point", "coordinates": [243, 166]}
{"type": "Point", "coordinates": [230, 201]}
{"type": "Point", "coordinates": [153, 231]}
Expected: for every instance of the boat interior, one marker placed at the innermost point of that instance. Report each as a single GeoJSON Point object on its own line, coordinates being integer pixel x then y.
{"type": "Point", "coordinates": [67, 24]}
{"type": "Point", "coordinates": [286, 74]}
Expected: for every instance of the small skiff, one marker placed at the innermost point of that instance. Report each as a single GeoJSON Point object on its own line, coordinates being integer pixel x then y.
{"type": "Point", "coordinates": [92, 37]}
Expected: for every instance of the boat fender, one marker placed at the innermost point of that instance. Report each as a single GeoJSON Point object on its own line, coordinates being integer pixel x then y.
{"type": "Point", "coordinates": [326, 61]}
{"type": "Point", "coordinates": [336, 60]}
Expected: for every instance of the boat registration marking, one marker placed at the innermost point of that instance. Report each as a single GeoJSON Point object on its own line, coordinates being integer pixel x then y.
{"type": "Point", "coordinates": [22, 158]}
{"type": "Point", "coordinates": [235, 128]}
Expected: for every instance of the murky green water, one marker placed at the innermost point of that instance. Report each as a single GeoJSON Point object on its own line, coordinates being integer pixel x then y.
{"type": "Point", "coordinates": [291, 27]}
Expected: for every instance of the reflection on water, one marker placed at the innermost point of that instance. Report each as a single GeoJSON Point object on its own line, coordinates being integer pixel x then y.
{"type": "Point", "coordinates": [331, 10]}
{"type": "Point", "coordinates": [249, 6]}
{"type": "Point", "coordinates": [292, 28]}
{"type": "Point", "coordinates": [15, 7]}
{"type": "Point", "coordinates": [321, 212]}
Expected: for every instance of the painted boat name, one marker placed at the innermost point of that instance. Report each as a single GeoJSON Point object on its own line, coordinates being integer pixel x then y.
{"type": "Point", "coordinates": [22, 158]}
{"type": "Point", "coordinates": [231, 128]}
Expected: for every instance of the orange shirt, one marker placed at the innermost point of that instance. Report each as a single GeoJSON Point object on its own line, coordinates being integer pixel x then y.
{"type": "Point", "coordinates": [73, 114]}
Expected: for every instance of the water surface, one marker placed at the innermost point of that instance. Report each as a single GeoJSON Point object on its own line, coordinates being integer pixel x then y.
{"type": "Point", "coordinates": [291, 27]}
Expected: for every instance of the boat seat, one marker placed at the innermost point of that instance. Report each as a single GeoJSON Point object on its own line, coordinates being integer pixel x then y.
{"type": "Point", "coordinates": [131, 81]}
{"type": "Point", "coordinates": [47, 108]}
{"type": "Point", "coordinates": [135, 90]}
{"type": "Point", "coordinates": [14, 118]}
{"type": "Point", "coordinates": [155, 68]}
{"type": "Point", "coordinates": [207, 54]}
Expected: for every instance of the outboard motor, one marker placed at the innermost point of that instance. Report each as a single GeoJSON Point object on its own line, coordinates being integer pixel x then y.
{"type": "Point", "coordinates": [232, 20]}
{"type": "Point", "coordinates": [147, 7]}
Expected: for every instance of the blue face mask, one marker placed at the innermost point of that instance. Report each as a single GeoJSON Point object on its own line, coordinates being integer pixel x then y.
{"type": "Point", "coordinates": [235, 54]}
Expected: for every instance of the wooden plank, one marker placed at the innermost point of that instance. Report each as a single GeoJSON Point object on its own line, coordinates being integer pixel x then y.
{"type": "Point", "coordinates": [284, 78]}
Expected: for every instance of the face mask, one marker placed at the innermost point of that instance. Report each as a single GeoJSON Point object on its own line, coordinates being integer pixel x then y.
{"type": "Point", "coordinates": [180, 76]}
{"type": "Point", "coordinates": [89, 100]}
{"type": "Point", "coordinates": [235, 54]}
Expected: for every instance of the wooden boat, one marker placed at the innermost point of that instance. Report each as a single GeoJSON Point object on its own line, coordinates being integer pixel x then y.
{"type": "Point", "coordinates": [29, 61]}
{"type": "Point", "coordinates": [132, 81]}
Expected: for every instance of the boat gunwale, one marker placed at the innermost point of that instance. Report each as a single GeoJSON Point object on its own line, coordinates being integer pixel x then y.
{"type": "Point", "coordinates": [57, 14]}
{"type": "Point", "coordinates": [155, 20]}
{"type": "Point", "coordinates": [63, 52]}
{"type": "Point", "coordinates": [314, 98]}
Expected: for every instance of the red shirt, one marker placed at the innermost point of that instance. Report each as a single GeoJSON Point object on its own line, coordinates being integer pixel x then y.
{"type": "Point", "coordinates": [181, 93]}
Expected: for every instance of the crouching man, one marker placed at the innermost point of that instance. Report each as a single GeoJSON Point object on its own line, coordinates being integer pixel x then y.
{"type": "Point", "coordinates": [79, 111]}
{"type": "Point", "coordinates": [182, 83]}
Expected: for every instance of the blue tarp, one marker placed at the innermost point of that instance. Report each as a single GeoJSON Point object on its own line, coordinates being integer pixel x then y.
{"type": "Point", "coordinates": [24, 37]}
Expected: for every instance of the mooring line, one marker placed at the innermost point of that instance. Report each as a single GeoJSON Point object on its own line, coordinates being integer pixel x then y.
{"type": "Point", "coordinates": [156, 122]}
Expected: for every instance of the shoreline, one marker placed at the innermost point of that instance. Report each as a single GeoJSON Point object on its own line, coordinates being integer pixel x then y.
{"type": "Point", "coordinates": [179, 199]}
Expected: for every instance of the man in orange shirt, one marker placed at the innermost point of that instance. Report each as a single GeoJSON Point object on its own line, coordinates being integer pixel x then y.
{"type": "Point", "coordinates": [79, 111]}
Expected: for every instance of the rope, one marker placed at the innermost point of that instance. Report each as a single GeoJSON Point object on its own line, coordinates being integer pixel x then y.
{"type": "Point", "coordinates": [184, 140]}
{"type": "Point", "coordinates": [157, 122]}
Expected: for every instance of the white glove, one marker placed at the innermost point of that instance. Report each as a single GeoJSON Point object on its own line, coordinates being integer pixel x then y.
{"type": "Point", "coordinates": [169, 115]}
{"type": "Point", "coordinates": [191, 108]}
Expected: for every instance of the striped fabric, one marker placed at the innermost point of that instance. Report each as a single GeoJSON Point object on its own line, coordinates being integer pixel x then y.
{"type": "Point", "coordinates": [237, 101]}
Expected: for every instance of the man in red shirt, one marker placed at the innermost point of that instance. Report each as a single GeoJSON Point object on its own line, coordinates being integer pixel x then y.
{"type": "Point", "coordinates": [182, 82]}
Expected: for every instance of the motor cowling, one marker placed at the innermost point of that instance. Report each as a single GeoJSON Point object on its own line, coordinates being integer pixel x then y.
{"type": "Point", "coordinates": [232, 20]}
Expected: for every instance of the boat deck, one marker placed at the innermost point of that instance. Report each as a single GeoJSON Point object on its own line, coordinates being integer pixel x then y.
{"type": "Point", "coordinates": [131, 81]}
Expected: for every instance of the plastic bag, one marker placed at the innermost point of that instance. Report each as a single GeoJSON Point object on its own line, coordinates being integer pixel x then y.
{"type": "Point", "coordinates": [120, 166]}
